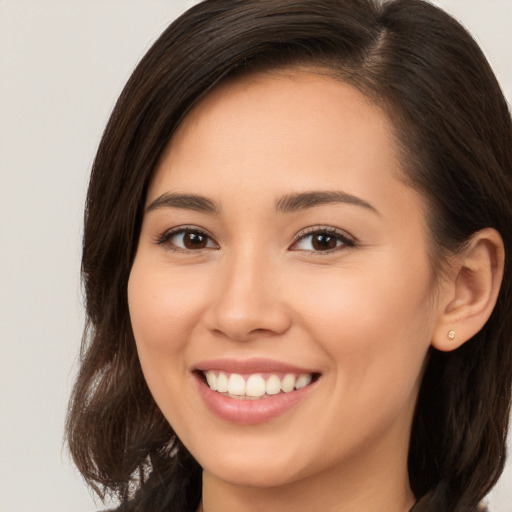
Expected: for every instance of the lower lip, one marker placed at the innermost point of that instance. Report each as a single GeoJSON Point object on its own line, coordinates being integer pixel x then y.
{"type": "Point", "coordinates": [250, 412]}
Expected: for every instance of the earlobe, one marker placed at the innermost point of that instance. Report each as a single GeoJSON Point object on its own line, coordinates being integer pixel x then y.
{"type": "Point", "coordinates": [470, 295]}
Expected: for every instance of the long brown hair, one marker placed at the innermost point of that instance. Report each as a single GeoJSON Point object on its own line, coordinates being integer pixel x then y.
{"type": "Point", "coordinates": [455, 132]}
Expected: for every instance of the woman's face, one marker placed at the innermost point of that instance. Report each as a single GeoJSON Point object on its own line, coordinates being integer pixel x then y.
{"type": "Point", "coordinates": [280, 250]}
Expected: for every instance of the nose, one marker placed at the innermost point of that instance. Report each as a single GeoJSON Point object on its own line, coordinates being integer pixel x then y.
{"type": "Point", "coordinates": [247, 301]}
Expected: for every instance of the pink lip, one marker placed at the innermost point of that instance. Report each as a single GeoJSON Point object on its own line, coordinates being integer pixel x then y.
{"type": "Point", "coordinates": [250, 412]}
{"type": "Point", "coordinates": [255, 365]}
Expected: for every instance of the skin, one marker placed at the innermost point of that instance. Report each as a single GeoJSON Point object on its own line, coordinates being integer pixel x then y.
{"type": "Point", "coordinates": [363, 315]}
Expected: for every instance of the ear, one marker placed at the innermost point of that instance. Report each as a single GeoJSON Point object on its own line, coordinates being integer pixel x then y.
{"type": "Point", "coordinates": [469, 295]}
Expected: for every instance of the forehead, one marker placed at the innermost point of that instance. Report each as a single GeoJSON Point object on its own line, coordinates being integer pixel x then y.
{"type": "Point", "coordinates": [283, 131]}
{"type": "Point", "coordinates": [293, 103]}
{"type": "Point", "coordinates": [278, 111]}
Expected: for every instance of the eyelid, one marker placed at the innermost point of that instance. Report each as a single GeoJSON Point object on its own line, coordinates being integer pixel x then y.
{"type": "Point", "coordinates": [347, 239]}
{"type": "Point", "coordinates": [163, 238]}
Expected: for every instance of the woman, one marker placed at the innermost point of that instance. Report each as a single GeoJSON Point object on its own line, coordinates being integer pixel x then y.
{"type": "Point", "coordinates": [294, 265]}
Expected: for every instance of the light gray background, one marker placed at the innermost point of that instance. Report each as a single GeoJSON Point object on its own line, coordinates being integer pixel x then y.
{"type": "Point", "coordinates": [62, 65]}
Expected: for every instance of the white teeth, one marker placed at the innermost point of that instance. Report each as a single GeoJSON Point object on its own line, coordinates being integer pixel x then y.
{"type": "Point", "coordinates": [273, 385]}
{"type": "Point", "coordinates": [236, 384]}
{"type": "Point", "coordinates": [211, 378]}
{"type": "Point", "coordinates": [303, 381]}
{"type": "Point", "coordinates": [256, 386]}
{"type": "Point", "coordinates": [222, 383]}
{"type": "Point", "coordinates": [288, 383]}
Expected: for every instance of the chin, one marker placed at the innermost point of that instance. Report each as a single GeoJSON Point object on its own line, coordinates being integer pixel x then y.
{"type": "Point", "coordinates": [251, 475]}
{"type": "Point", "coordinates": [257, 469]}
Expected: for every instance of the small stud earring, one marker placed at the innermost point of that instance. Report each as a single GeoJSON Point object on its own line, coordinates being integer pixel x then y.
{"type": "Point", "coordinates": [451, 334]}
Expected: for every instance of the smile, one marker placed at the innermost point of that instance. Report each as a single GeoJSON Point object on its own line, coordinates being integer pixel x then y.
{"type": "Point", "coordinates": [255, 386]}
{"type": "Point", "coordinates": [253, 391]}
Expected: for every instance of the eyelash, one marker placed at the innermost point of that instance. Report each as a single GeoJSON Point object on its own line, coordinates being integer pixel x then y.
{"type": "Point", "coordinates": [340, 236]}
{"type": "Point", "coordinates": [165, 238]}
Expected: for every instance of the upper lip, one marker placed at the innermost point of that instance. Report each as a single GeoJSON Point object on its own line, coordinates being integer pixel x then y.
{"type": "Point", "coordinates": [254, 365]}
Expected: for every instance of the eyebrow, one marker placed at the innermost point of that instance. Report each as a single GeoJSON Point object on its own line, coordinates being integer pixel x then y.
{"type": "Point", "coordinates": [286, 204]}
{"type": "Point", "coordinates": [186, 202]}
{"type": "Point", "coordinates": [304, 200]}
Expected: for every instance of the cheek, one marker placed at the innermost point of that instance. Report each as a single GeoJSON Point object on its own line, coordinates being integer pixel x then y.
{"type": "Point", "coordinates": [165, 308]}
{"type": "Point", "coordinates": [377, 341]}
{"type": "Point", "coordinates": [375, 325]}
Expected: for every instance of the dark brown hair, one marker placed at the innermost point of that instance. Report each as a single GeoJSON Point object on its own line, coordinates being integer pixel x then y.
{"type": "Point", "coordinates": [455, 131]}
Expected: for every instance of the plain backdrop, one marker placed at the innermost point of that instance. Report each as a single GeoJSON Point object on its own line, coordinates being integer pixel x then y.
{"type": "Point", "coordinates": [62, 65]}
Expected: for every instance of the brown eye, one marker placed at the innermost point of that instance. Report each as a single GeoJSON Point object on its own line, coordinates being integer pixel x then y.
{"type": "Point", "coordinates": [193, 240]}
{"type": "Point", "coordinates": [187, 240]}
{"type": "Point", "coordinates": [322, 240]}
